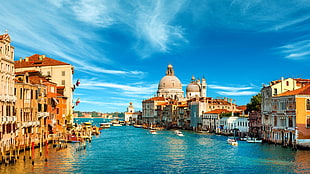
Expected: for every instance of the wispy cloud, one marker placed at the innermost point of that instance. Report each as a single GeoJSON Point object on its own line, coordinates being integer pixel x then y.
{"type": "Point", "coordinates": [132, 89]}
{"type": "Point", "coordinates": [254, 15]}
{"type": "Point", "coordinates": [151, 22]}
{"type": "Point", "coordinates": [233, 91]}
{"type": "Point", "coordinates": [297, 50]}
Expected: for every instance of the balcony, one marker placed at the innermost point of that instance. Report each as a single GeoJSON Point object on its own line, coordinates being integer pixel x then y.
{"type": "Point", "coordinates": [8, 119]}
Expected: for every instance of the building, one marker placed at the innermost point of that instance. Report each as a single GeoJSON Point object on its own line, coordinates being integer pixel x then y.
{"type": "Point", "coordinates": [149, 109]}
{"type": "Point", "coordinates": [268, 92]}
{"type": "Point", "coordinates": [291, 118]}
{"type": "Point", "coordinates": [198, 106]}
{"type": "Point", "coordinates": [58, 72]}
{"type": "Point", "coordinates": [7, 97]}
{"type": "Point", "coordinates": [210, 120]}
{"type": "Point", "coordinates": [255, 124]}
{"type": "Point", "coordinates": [170, 86]}
{"type": "Point", "coordinates": [230, 124]}
{"type": "Point", "coordinates": [171, 109]}
{"type": "Point", "coordinates": [196, 88]}
{"type": "Point", "coordinates": [131, 117]}
{"type": "Point", "coordinates": [28, 124]}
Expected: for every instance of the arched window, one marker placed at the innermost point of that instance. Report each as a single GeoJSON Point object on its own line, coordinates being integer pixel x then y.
{"type": "Point", "coordinates": [308, 104]}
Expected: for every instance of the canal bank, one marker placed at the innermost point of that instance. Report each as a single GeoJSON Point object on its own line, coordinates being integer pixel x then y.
{"type": "Point", "coordinates": [132, 150]}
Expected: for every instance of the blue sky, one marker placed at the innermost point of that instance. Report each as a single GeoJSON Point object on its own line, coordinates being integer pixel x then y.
{"type": "Point", "coordinates": [121, 49]}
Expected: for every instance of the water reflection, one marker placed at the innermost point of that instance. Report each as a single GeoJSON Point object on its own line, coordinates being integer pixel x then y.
{"type": "Point", "coordinates": [302, 161]}
{"type": "Point", "coordinates": [132, 150]}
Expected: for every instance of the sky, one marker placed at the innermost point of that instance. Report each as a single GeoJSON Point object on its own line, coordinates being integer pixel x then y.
{"type": "Point", "coordinates": [121, 49]}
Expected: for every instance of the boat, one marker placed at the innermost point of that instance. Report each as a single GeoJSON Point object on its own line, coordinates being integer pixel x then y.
{"type": "Point", "coordinates": [254, 140]}
{"type": "Point", "coordinates": [105, 125]}
{"type": "Point", "coordinates": [73, 139]}
{"type": "Point", "coordinates": [232, 141]}
{"type": "Point", "coordinates": [95, 131]}
{"type": "Point", "coordinates": [116, 123]}
{"type": "Point", "coordinates": [87, 124]}
{"type": "Point", "coordinates": [153, 132]}
{"type": "Point", "coordinates": [178, 133]}
{"type": "Point", "coordinates": [138, 126]}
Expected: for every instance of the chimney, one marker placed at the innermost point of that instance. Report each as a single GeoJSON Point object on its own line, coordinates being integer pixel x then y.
{"type": "Point", "coordinates": [27, 59]}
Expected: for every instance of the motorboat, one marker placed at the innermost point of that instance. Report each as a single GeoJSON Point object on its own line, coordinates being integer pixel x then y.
{"type": "Point", "coordinates": [178, 133]}
{"type": "Point", "coordinates": [116, 123]}
{"type": "Point", "coordinates": [254, 140]}
{"type": "Point", "coordinates": [87, 124]}
{"type": "Point", "coordinates": [153, 132]}
{"type": "Point", "coordinates": [105, 125]}
{"type": "Point", "coordinates": [232, 141]}
{"type": "Point", "coordinates": [138, 126]}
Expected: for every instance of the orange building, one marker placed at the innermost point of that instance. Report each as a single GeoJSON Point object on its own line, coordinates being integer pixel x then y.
{"type": "Point", "coordinates": [291, 117]}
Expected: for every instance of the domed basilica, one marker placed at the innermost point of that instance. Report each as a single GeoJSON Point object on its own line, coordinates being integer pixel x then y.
{"type": "Point", "coordinates": [171, 87]}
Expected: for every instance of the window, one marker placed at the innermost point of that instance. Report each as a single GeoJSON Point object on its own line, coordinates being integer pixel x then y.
{"type": "Point", "coordinates": [290, 121]}
{"type": "Point", "coordinates": [287, 83]}
{"type": "Point", "coordinates": [63, 82]}
{"type": "Point", "coordinates": [21, 93]}
{"type": "Point", "coordinates": [63, 73]}
{"type": "Point", "coordinates": [308, 121]}
{"type": "Point", "coordinates": [308, 104]}
{"type": "Point", "coordinates": [275, 121]}
{"type": "Point", "coordinates": [275, 91]}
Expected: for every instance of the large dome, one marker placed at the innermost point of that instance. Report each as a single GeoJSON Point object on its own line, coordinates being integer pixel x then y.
{"type": "Point", "coordinates": [170, 86]}
{"type": "Point", "coordinates": [169, 82]}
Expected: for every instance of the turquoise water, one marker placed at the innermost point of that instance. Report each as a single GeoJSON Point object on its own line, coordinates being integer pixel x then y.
{"type": "Point", "coordinates": [133, 150]}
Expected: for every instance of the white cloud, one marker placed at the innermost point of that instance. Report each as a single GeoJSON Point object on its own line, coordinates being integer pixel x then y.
{"type": "Point", "coordinates": [229, 88]}
{"type": "Point", "coordinates": [132, 89]}
{"type": "Point", "coordinates": [297, 50]}
{"type": "Point", "coordinates": [237, 93]}
{"type": "Point", "coordinates": [232, 91]}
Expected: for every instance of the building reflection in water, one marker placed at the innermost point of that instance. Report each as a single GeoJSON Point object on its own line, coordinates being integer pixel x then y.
{"type": "Point", "coordinates": [302, 161]}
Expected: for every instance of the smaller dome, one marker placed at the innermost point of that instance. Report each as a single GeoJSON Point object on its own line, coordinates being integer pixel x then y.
{"type": "Point", "coordinates": [193, 87]}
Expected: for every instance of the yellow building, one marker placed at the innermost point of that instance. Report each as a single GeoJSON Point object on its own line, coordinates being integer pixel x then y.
{"type": "Point", "coordinates": [28, 124]}
{"type": "Point", "coordinates": [59, 72]}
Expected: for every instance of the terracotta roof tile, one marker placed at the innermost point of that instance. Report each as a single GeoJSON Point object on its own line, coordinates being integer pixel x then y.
{"type": "Point", "coordinates": [218, 111]}
{"type": "Point", "coordinates": [301, 91]}
{"type": "Point", "coordinates": [37, 60]}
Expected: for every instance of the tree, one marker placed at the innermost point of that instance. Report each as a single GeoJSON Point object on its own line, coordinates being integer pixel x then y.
{"type": "Point", "coordinates": [255, 104]}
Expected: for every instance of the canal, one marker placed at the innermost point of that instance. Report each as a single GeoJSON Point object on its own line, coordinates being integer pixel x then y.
{"type": "Point", "coordinates": [134, 150]}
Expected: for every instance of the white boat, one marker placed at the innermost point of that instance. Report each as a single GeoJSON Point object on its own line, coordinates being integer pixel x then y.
{"type": "Point", "coordinates": [105, 125]}
{"type": "Point", "coordinates": [232, 141]}
{"type": "Point", "coordinates": [254, 140]}
{"type": "Point", "coordinates": [178, 133]}
{"type": "Point", "coordinates": [117, 124]}
{"type": "Point", "coordinates": [153, 132]}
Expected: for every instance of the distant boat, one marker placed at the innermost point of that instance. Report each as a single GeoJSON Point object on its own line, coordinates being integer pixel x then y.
{"type": "Point", "coordinates": [153, 132]}
{"type": "Point", "coordinates": [178, 133]}
{"type": "Point", "coordinates": [138, 126]}
{"type": "Point", "coordinates": [105, 125]}
{"type": "Point", "coordinates": [254, 140]}
{"type": "Point", "coordinates": [232, 141]}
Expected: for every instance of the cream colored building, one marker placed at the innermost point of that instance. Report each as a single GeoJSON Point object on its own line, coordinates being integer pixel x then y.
{"type": "Point", "coordinates": [7, 97]}
{"type": "Point", "coordinates": [59, 72]}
